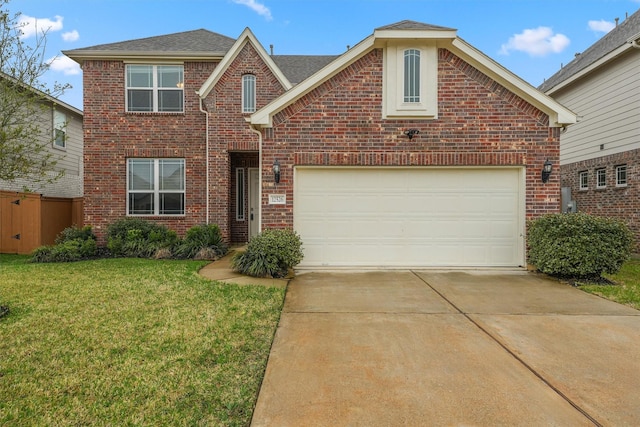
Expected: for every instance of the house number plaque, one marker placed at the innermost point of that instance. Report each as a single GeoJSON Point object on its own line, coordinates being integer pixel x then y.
{"type": "Point", "coordinates": [277, 199]}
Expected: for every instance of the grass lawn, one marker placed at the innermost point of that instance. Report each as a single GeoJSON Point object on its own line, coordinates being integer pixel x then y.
{"type": "Point", "coordinates": [130, 342]}
{"type": "Point", "coordinates": [626, 288]}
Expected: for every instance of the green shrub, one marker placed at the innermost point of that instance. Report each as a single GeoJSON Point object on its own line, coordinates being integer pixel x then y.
{"type": "Point", "coordinates": [270, 254]}
{"type": "Point", "coordinates": [74, 232]}
{"type": "Point", "coordinates": [138, 238]}
{"type": "Point", "coordinates": [578, 245]}
{"type": "Point", "coordinates": [72, 244]}
{"type": "Point", "coordinates": [67, 251]}
{"type": "Point", "coordinates": [205, 240]}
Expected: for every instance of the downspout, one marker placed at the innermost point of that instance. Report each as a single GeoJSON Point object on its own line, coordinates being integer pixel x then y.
{"type": "Point", "coordinates": [257, 132]}
{"type": "Point", "coordinates": [206, 113]}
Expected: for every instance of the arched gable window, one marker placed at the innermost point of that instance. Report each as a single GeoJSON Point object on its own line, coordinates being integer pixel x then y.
{"type": "Point", "coordinates": [411, 75]}
{"type": "Point", "coordinates": [248, 93]}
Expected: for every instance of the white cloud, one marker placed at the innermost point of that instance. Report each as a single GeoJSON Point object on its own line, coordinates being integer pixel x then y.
{"type": "Point", "coordinates": [601, 26]}
{"type": "Point", "coordinates": [64, 64]}
{"type": "Point", "coordinates": [536, 42]}
{"type": "Point", "coordinates": [30, 26]}
{"type": "Point", "coordinates": [70, 36]}
{"type": "Point", "coordinates": [259, 8]}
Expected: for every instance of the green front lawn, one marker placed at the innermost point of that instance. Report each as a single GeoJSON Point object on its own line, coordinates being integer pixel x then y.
{"type": "Point", "coordinates": [625, 288]}
{"type": "Point", "coordinates": [130, 342]}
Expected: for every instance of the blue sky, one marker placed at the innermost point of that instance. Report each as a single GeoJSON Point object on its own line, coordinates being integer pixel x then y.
{"type": "Point", "coordinates": [529, 37]}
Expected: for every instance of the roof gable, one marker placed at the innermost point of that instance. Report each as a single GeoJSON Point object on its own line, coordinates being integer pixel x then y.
{"type": "Point", "coordinates": [609, 46]}
{"type": "Point", "coordinates": [246, 37]}
{"type": "Point", "coordinates": [444, 37]}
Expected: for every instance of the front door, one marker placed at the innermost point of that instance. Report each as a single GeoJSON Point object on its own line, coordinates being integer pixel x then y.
{"type": "Point", "coordinates": [254, 201]}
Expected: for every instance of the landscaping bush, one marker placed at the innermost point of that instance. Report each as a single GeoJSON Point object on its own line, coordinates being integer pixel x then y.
{"type": "Point", "coordinates": [72, 244]}
{"type": "Point", "coordinates": [137, 238]}
{"type": "Point", "coordinates": [203, 242]}
{"type": "Point", "coordinates": [578, 245]}
{"type": "Point", "coordinates": [270, 254]}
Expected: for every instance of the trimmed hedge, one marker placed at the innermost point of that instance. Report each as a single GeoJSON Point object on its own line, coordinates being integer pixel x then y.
{"type": "Point", "coordinates": [270, 254]}
{"type": "Point", "coordinates": [578, 245]}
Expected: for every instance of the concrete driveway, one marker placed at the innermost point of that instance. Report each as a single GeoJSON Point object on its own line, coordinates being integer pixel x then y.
{"type": "Point", "coordinates": [452, 348]}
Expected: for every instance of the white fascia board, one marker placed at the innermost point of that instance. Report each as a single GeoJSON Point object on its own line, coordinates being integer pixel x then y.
{"type": "Point", "coordinates": [247, 36]}
{"type": "Point", "coordinates": [558, 114]}
{"type": "Point", "coordinates": [263, 117]}
{"type": "Point", "coordinates": [587, 70]}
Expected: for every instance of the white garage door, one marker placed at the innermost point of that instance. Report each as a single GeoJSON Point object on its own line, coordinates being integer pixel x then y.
{"type": "Point", "coordinates": [409, 217]}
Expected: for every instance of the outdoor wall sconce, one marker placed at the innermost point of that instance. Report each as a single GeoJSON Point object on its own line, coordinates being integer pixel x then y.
{"type": "Point", "coordinates": [276, 171]}
{"type": "Point", "coordinates": [411, 133]}
{"type": "Point", "coordinates": [546, 170]}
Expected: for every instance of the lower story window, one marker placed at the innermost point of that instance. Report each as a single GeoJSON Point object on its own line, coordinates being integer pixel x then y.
{"type": "Point", "coordinates": [155, 186]}
{"type": "Point", "coordinates": [621, 175]}
{"type": "Point", "coordinates": [601, 178]}
{"type": "Point", "coordinates": [583, 180]}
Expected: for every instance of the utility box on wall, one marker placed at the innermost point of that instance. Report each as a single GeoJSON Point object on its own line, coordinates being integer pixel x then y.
{"type": "Point", "coordinates": [568, 205]}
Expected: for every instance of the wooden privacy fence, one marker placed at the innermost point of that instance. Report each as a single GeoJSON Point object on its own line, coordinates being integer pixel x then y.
{"type": "Point", "coordinates": [28, 221]}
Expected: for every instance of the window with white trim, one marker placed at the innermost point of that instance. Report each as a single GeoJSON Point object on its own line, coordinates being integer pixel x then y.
{"type": "Point", "coordinates": [59, 129]}
{"type": "Point", "coordinates": [411, 75]}
{"type": "Point", "coordinates": [248, 93]}
{"type": "Point", "coordinates": [240, 194]}
{"type": "Point", "coordinates": [601, 178]}
{"type": "Point", "coordinates": [155, 186]}
{"type": "Point", "coordinates": [410, 78]}
{"type": "Point", "coordinates": [583, 180]}
{"type": "Point", "coordinates": [155, 88]}
{"type": "Point", "coordinates": [621, 176]}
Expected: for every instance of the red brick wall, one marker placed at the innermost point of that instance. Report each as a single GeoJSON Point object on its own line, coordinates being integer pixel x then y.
{"type": "Point", "coordinates": [111, 135]}
{"type": "Point", "coordinates": [480, 123]}
{"type": "Point", "coordinates": [612, 201]}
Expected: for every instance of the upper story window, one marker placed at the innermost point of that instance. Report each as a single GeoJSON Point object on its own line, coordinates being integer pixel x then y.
{"type": "Point", "coordinates": [248, 93]}
{"type": "Point", "coordinates": [155, 88]}
{"type": "Point", "coordinates": [621, 176]}
{"type": "Point", "coordinates": [412, 75]}
{"type": "Point", "coordinates": [410, 81]}
{"type": "Point", "coordinates": [59, 129]}
{"type": "Point", "coordinates": [583, 180]}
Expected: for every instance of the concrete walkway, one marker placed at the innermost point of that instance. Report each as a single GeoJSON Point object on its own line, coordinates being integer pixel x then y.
{"type": "Point", "coordinates": [449, 349]}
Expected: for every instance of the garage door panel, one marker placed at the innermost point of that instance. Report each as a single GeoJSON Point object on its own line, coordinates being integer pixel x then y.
{"type": "Point", "coordinates": [409, 216]}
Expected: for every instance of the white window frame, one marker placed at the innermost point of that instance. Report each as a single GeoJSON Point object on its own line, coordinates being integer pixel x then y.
{"type": "Point", "coordinates": [156, 190]}
{"type": "Point", "coordinates": [425, 103]}
{"type": "Point", "coordinates": [240, 194]}
{"type": "Point", "coordinates": [601, 173]}
{"type": "Point", "coordinates": [621, 176]}
{"type": "Point", "coordinates": [583, 184]}
{"type": "Point", "coordinates": [155, 89]}
{"type": "Point", "coordinates": [248, 93]}
{"type": "Point", "coordinates": [59, 130]}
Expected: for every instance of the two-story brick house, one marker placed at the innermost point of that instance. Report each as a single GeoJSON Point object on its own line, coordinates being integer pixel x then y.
{"type": "Point", "coordinates": [411, 148]}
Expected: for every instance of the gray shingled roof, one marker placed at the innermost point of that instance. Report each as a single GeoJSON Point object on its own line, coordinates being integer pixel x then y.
{"type": "Point", "coordinates": [196, 41]}
{"type": "Point", "coordinates": [610, 42]}
{"type": "Point", "coordinates": [413, 25]}
{"type": "Point", "coordinates": [298, 67]}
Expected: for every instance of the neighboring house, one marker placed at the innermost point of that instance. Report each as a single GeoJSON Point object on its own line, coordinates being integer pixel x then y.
{"type": "Point", "coordinates": [34, 218]}
{"type": "Point", "coordinates": [600, 155]}
{"type": "Point", "coordinates": [412, 148]}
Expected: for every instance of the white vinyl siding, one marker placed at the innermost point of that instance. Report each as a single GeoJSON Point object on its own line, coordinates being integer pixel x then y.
{"type": "Point", "coordinates": [409, 217]}
{"type": "Point", "coordinates": [608, 105]}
